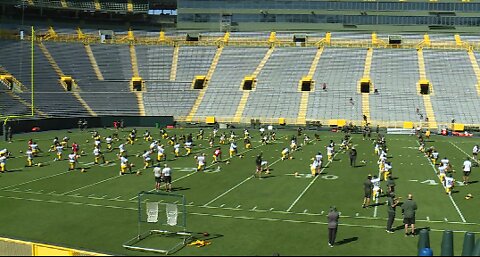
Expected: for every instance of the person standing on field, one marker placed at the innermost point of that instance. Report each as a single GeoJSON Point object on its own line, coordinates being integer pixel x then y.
{"type": "Point", "coordinates": [332, 218]}
{"type": "Point", "coordinates": [408, 209]}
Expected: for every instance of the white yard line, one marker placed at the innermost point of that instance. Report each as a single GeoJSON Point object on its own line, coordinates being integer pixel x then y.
{"type": "Point", "coordinates": [94, 184]}
{"type": "Point", "coordinates": [35, 180]}
{"type": "Point", "coordinates": [461, 150]}
{"type": "Point", "coordinates": [266, 219]}
{"type": "Point", "coordinates": [311, 183]}
{"type": "Point", "coordinates": [449, 196]}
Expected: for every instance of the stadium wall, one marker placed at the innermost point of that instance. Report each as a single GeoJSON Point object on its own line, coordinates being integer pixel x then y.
{"type": "Point", "coordinates": [252, 15]}
{"type": "Point", "coordinates": [12, 247]}
{"type": "Point", "coordinates": [19, 126]}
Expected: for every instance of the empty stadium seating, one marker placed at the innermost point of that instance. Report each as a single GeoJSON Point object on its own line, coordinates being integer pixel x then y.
{"type": "Point", "coordinates": [103, 78]}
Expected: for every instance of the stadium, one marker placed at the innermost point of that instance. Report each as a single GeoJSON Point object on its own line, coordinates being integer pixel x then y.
{"type": "Point", "coordinates": [219, 127]}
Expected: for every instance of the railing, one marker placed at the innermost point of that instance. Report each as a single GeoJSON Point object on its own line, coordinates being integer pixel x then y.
{"type": "Point", "coordinates": [244, 41]}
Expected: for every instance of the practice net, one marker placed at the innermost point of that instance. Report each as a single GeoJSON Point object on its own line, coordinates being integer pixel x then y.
{"type": "Point", "coordinates": [162, 223]}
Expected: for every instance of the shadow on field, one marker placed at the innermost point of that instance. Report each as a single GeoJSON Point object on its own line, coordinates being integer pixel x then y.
{"type": "Point", "coordinates": [174, 189]}
{"type": "Point", "coordinates": [347, 240]}
{"type": "Point", "coordinates": [204, 236]}
{"type": "Point", "coordinates": [269, 176]}
{"type": "Point", "coordinates": [14, 170]}
{"type": "Point", "coordinates": [417, 230]}
{"type": "Point", "coordinates": [473, 182]}
{"type": "Point", "coordinates": [377, 204]}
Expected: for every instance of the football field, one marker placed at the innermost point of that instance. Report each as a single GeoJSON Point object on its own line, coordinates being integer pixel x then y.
{"type": "Point", "coordinates": [284, 212]}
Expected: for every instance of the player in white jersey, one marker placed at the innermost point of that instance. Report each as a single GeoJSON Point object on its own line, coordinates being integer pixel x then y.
{"type": "Point", "coordinates": [29, 155]}
{"type": "Point", "coordinates": [64, 142]}
{"type": "Point", "coordinates": [246, 134]}
{"type": "Point", "coordinates": [98, 155]}
{"type": "Point", "coordinates": [330, 151]}
{"type": "Point", "coordinates": [161, 156]}
{"type": "Point", "coordinates": [293, 145]}
{"type": "Point", "coordinates": [445, 162]}
{"type": "Point", "coordinates": [201, 160]}
{"type": "Point", "coordinates": [124, 165]}
{"type": "Point", "coordinates": [167, 178]}
{"type": "Point", "coordinates": [387, 170]}
{"type": "Point", "coordinates": [59, 152]}
{"type": "Point", "coordinates": [435, 155]}
{"type": "Point", "coordinates": [314, 168]}
{"type": "Point", "coordinates": [35, 149]}
{"type": "Point", "coordinates": [421, 148]}
{"type": "Point", "coordinates": [147, 160]}
{"type": "Point", "coordinates": [109, 141]}
{"type": "Point", "coordinates": [285, 153]}
{"type": "Point", "coordinates": [146, 136]}
{"type": "Point", "coordinates": [153, 145]}
{"type": "Point", "coordinates": [188, 147]}
{"type": "Point", "coordinates": [97, 143]}
{"type": "Point", "coordinates": [222, 139]}
{"type": "Point", "coordinates": [475, 151]}
{"type": "Point", "coordinates": [3, 163]}
{"type": "Point", "coordinates": [72, 161]}
{"type": "Point", "coordinates": [215, 131]}
{"type": "Point", "coordinates": [233, 149]}
{"type": "Point", "coordinates": [319, 158]}
{"type": "Point", "coordinates": [376, 187]}
{"type": "Point", "coordinates": [157, 171]}
{"type": "Point", "coordinates": [449, 183]}
{"type": "Point", "coordinates": [442, 172]}
{"type": "Point", "coordinates": [467, 169]}
{"type": "Point", "coordinates": [377, 149]}
{"type": "Point", "coordinates": [176, 149]}
{"type": "Point", "coordinates": [122, 150]}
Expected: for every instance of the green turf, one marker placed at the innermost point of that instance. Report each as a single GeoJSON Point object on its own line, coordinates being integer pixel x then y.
{"type": "Point", "coordinates": [281, 213]}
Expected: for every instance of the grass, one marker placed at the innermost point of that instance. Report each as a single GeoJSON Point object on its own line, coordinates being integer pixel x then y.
{"type": "Point", "coordinates": [281, 213]}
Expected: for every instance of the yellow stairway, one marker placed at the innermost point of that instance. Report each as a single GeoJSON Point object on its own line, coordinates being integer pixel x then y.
{"type": "Point", "coordinates": [246, 93]}
{"type": "Point", "coordinates": [426, 98]}
{"type": "Point", "coordinates": [201, 94]}
{"type": "Point", "coordinates": [60, 74]}
{"type": "Point", "coordinates": [302, 111]}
